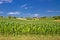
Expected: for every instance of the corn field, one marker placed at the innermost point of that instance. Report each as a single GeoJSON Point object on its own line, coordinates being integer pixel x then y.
{"type": "Point", "coordinates": [19, 27]}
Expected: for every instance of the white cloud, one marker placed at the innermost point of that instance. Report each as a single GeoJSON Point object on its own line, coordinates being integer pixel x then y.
{"type": "Point", "coordinates": [14, 13]}
{"type": "Point", "coordinates": [5, 1]}
{"type": "Point", "coordinates": [52, 11]}
{"type": "Point", "coordinates": [1, 2]}
{"type": "Point", "coordinates": [36, 15]}
{"type": "Point", "coordinates": [1, 12]}
{"type": "Point", "coordinates": [25, 6]}
{"type": "Point", "coordinates": [45, 0]}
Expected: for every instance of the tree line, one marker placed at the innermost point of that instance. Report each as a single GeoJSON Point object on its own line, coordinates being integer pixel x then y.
{"type": "Point", "coordinates": [31, 18]}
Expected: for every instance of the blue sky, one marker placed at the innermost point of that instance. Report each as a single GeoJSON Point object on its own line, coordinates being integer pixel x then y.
{"type": "Point", "coordinates": [32, 8]}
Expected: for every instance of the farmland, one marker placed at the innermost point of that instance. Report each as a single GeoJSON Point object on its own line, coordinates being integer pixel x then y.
{"type": "Point", "coordinates": [15, 27]}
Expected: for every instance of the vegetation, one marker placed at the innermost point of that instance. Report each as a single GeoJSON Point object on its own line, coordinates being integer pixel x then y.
{"type": "Point", "coordinates": [43, 28]}
{"type": "Point", "coordinates": [30, 37]}
{"type": "Point", "coordinates": [56, 17]}
{"type": "Point", "coordinates": [20, 27]}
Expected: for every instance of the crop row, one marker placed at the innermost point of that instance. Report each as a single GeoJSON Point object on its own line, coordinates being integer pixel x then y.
{"type": "Point", "coordinates": [10, 27]}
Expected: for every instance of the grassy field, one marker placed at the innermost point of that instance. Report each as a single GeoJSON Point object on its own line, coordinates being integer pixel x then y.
{"type": "Point", "coordinates": [30, 37]}
{"type": "Point", "coordinates": [14, 29]}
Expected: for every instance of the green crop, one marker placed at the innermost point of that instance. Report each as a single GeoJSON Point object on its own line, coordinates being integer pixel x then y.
{"type": "Point", "coordinates": [18, 27]}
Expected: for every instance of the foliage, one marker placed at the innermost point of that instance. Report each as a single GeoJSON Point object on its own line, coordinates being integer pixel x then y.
{"type": "Point", "coordinates": [11, 17]}
{"type": "Point", "coordinates": [56, 17]}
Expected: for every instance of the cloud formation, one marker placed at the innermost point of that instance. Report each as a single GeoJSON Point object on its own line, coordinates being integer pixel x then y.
{"type": "Point", "coordinates": [45, 0]}
{"type": "Point", "coordinates": [1, 2]}
{"type": "Point", "coordinates": [36, 15]}
{"type": "Point", "coordinates": [5, 1]}
{"type": "Point", "coordinates": [14, 13]}
{"type": "Point", "coordinates": [52, 11]}
{"type": "Point", "coordinates": [1, 12]}
{"type": "Point", "coordinates": [25, 6]}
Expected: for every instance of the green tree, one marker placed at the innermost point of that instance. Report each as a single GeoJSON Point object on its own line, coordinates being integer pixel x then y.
{"type": "Point", "coordinates": [11, 17]}
{"type": "Point", "coordinates": [56, 17]}
{"type": "Point", "coordinates": [28, 18]}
